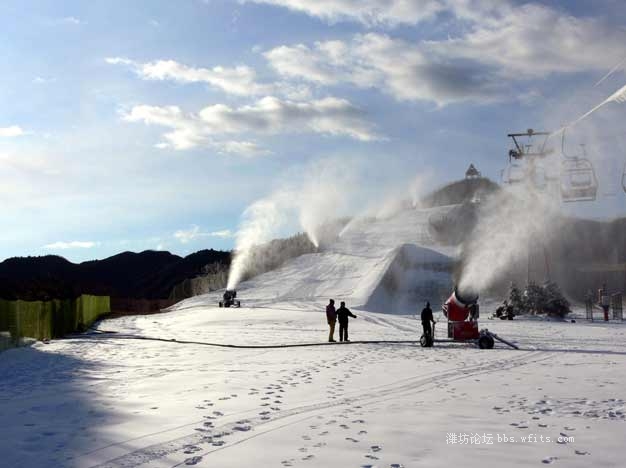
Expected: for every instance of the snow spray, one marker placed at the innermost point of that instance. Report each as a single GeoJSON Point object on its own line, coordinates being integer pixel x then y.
{"type": "Point", "coordinates": [307, 201]}
{"type": "Point", "coordinates": [511, 223]}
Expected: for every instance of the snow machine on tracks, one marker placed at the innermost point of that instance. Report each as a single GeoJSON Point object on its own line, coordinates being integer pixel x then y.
{"type": "Point", "coordinates": [229, 299]}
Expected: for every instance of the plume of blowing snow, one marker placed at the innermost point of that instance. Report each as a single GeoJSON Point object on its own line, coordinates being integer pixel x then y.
{"type": "Point", "coordinates": [260, 221]}
{"type": "Point", "coordinates": [394, 201]}
{"type": "Point", "coordinates": [511, 224]}
{"type": "Point", "coordinates": [306, 202]}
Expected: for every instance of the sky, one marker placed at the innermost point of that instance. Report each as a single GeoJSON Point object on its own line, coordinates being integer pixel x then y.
{"type": "Point", "coordinates": [154, 124]}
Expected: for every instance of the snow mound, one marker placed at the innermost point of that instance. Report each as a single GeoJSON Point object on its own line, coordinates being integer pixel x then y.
{"type": "Point", "coordinates": [390, 265]}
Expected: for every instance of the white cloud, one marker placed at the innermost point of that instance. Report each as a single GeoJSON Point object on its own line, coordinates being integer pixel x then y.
{"type": "Point", "coordinates": [12, 131]}
{"type": "Point", "coordinates": [194, 232]}
{"type": "Point", "coordinates": [71, 20]}
{"type": "Point", "coordinates": [71, 245]}
{"type": "Point", "coordinates": [268, 116]}
{"type": "Point", "coordinates": [239, 80]}
{"type": "Point", "coordinates": [369, 12]}
{"type": "Point", "coordinates": [501, 48]}
{"type": "Point", "coordinates": [397, 67]}
{"type": "Point", "coordinates": [535, 40]}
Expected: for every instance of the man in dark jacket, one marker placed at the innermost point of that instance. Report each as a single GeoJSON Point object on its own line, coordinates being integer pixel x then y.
{"type": "Point", "coordinates": [331, 316]}
{"type": "Point", "coordinates": [427, 318]}
{"type": "Point", "coordinates": [342, 315]}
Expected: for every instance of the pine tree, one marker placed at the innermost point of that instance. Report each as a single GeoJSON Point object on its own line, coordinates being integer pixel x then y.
{"type": "Point", "coordinates": [516, 300]}
{"type": "Point", "coordinates": [555, 302]}
{"type": "Point", "coordinates": [534, 297]}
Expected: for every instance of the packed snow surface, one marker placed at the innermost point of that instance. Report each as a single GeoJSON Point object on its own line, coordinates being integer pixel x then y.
{"type": "Point", "coordinates": [112, 400]}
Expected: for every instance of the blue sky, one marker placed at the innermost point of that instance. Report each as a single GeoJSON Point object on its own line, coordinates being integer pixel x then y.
{"type": "Point", "coordinates": [154, 124]}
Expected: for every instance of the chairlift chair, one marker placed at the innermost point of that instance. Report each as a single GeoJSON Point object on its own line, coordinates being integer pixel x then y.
{"type": "Point", "coordinates": [514, 173]}
{"type": "Point", "coordinates": [524, 157]}
{"type": "Point", "coordinates": [578, 177]}
{"type": "Point", "coordinates": [578, 180]}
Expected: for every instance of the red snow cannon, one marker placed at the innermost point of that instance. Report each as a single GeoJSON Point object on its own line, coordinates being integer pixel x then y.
{"type": "Point", "coordinates": [459, 307]}
{"type": "Point", "coordinates": [462, 313]}
{"type": "Point", "coordinates": [461, 310]}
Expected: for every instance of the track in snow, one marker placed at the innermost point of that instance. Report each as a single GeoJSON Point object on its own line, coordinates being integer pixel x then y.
{"type": "Point", "coordinates": [372, 395]}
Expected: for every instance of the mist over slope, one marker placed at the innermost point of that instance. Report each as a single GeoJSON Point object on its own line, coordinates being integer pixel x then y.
{"type": "Point", "coordinates": [469, 230]}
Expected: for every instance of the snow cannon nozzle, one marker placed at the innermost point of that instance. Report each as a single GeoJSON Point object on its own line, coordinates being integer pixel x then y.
{"type": "Point", "coordinates": [466, 296]}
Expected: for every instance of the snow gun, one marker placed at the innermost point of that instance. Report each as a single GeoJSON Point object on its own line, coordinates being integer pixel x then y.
{"type": "Point", "coordinates": [462, 311]}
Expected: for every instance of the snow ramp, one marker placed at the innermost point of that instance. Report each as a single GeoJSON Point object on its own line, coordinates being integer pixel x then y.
{"type": "Point", "coordinates": [389, 265]}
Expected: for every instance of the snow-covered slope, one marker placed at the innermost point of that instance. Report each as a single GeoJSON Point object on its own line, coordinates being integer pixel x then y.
{"type": "Point", "coordinates": [157, 394]}
{"type": "Point", "coordinates": [390, 265]}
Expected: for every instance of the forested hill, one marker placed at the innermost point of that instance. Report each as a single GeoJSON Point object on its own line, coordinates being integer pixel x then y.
{"type": "Point", "coordinates": [149, 274]}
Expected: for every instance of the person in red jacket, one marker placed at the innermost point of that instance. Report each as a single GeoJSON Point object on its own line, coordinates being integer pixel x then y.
{"type": "Point", "coordinates": [331, 316]}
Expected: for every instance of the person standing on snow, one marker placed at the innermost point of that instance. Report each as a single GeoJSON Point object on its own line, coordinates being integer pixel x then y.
{"type": "Point", "coordinates": [331, 316]}
{"type": "Point", "coordinates": [427, 318]}
{"type": "Point", "coordinates": [343, 314]}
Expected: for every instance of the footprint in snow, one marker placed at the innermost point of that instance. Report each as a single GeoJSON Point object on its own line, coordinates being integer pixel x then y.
{"type": "Point", "coordinates": [242, 428]}
{"type": "Point", "coordinates": [351, 439]}
{"type": "Point", "coordinates": [581, 452]}
{"type": "Point", "coordinates": [376, 448]}
{"type": "Point", "coordinates": [193, 461]}
{"type": "Point", "coordinates": [549, 460]}
{"type": "Point", "coordinates": [396, 465]}
{"type": "Point", "coordinates": [308, 457]}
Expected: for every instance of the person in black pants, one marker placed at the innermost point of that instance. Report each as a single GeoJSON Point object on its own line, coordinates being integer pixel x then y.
{"type": "Point", "coordinates": [343, 314]}
{"type": "Point", "coordinates": [427, 319]}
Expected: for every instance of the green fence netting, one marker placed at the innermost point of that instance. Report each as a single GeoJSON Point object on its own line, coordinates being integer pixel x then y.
{"type": "Point", "coordinates": [51, 319]}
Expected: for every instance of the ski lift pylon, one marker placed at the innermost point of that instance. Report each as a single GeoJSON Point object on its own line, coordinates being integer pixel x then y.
{"type": "Point", "coordinates": [624, 177]}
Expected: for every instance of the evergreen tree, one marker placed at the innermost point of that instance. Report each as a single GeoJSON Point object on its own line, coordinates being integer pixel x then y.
{"type": "Point", "coordinates": [534, 298]}
{"type": "Point", "coordinates": [516, 300]}
{"type": "Point", "coordinates": [539, 299]}
{"type": "Point", "coordinates": [555, 302]}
